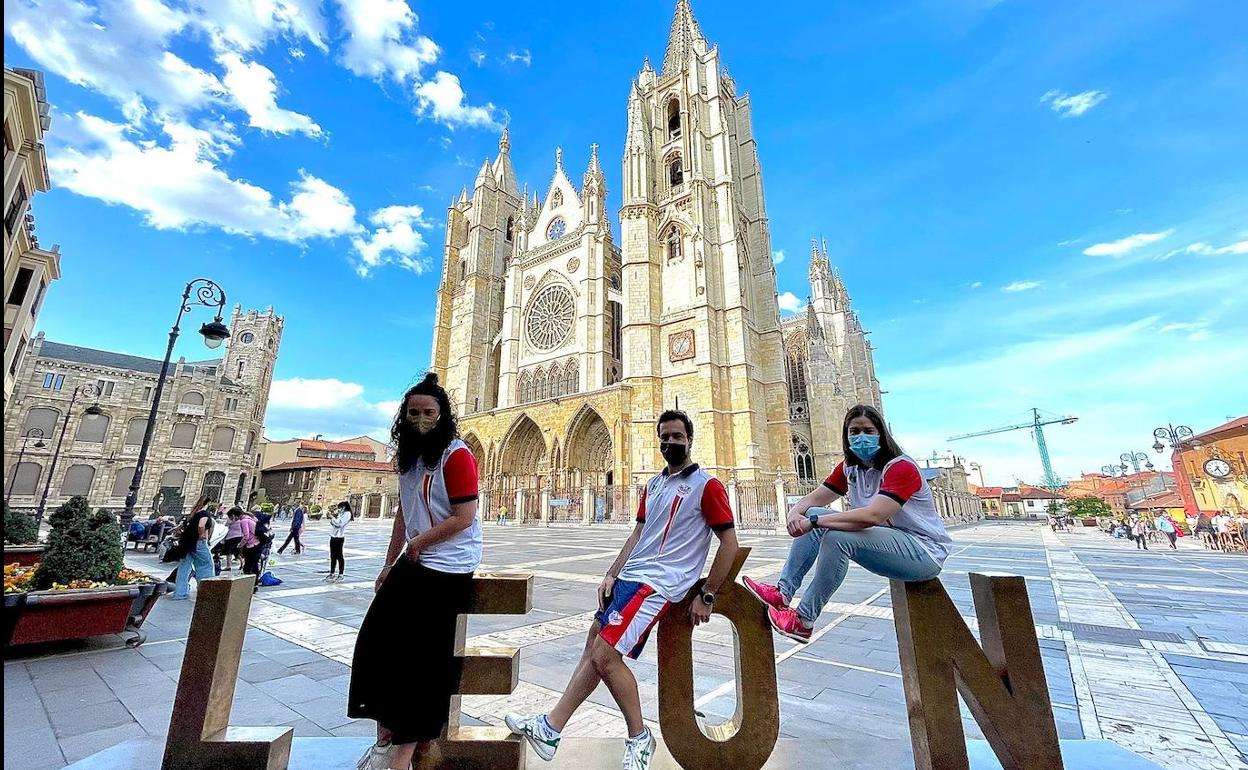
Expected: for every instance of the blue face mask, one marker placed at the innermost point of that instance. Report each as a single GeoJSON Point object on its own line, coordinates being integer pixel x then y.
{"type": "Point", "coordinates": [864, 445]}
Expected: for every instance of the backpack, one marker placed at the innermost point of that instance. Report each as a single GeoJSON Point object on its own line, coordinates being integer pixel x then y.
{"type": "Point", "coordinates": [269, 579]}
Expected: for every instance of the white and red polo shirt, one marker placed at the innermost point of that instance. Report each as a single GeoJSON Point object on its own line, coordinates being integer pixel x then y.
{"type": "Point", "coordinates": [678, 512]}
{"type": "Point", "coordinates": [427, 495]}
{"type": "Point", "coordinates": [901, 481]}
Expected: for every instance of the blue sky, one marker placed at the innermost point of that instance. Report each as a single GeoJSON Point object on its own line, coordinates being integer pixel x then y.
{"type": "Point", "coordinates": [1032, 204]}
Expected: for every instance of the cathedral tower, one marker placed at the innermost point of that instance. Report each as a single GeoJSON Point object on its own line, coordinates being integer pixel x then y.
{"type": "Point", "coordinates": [480, 237]}
{"type": "Point", "coordinates": [701, 324]}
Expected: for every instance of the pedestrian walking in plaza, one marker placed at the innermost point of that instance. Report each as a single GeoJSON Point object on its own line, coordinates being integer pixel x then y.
{"type": "Point", "coordinates": [502, 514]}
{"type": "Point", "coordinates": [229, 548]}
{"type": "Point", "coordinates": [892, 527]}
{"type": "Point", "coordinates": [404, 670]}
{"type": "Point", "coordinates": [1139, 531]}
{"type": "Point", "coordinates": [250, 544]}
{"type": "Point", "coordinates": [1166, 527]}
{"type": "Point", "coordinates": [338, 521]}
{"type": "Point", "coordinates": [193, 544]}
{"type": "Point", "coordinates": [296, 530]}
{"type": "Point", "coordinates": [657, 566]}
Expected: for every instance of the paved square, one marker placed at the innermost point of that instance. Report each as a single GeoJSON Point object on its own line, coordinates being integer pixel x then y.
{"type": "Point", "coordinates": [1147, 649]}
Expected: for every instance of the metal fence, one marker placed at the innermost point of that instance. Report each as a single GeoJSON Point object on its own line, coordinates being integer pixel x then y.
{"type": "Point", "coordinates": [567, 506]}
{"type": "Point", "coordinates": [756, 505]}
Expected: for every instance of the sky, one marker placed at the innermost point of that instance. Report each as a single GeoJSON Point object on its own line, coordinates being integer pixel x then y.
{"type": "Point", "coordinates": [1032, 204]}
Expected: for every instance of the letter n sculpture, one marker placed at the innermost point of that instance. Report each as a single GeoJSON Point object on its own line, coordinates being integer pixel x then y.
{"type": "Point", "coordinates": [1003, 683]}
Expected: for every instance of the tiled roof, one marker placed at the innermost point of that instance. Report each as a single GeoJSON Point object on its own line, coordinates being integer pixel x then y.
{"type": "Point", "coordinates": [1028, 492]}
{"type": "Point", "coordinates": [1167, 499]}
{"type": "Point", "coordinates": [989, 491]}
{"type": "Point", "coordinates": [319, 462]}
{"type": "Point", "coordinates": [107, 358]}
{"type": "Point", "coordinates": [335, 446]}
{"type": "Point", "coordinates": [1239, 423]}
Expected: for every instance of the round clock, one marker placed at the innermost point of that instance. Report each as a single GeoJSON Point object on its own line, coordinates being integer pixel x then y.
{"type": "Point", "coordinates": [682, 345]}
{"type": "Point", "coordinates": [1218, 468]}
{"type": "Point", "coordinates": [247, 338]}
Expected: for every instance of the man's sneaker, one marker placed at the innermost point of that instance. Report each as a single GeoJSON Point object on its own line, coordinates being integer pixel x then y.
{"type": "Point", "coordinates": [767, 594]}
{"type": "Point", "coordinates": [533, 728]}
{"type": "Point", "coordinates": [377, 757]}
{"type": "Point", "coordinates": [328, 578]}
{"type": "Point", "coordinates": [787, 623]}
{"type": "Point", "coordinates": [639, 751]}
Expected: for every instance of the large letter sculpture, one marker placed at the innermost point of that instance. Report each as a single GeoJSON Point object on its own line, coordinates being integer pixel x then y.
{"type": "Point", "coordinates": [200, 737]}
{"type": "Point", "coordinates": [1003, 684]}
{"type": "Point", "coordinates": [745, 741]}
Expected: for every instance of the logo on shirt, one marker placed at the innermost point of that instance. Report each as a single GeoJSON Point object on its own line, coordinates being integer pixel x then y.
{"type": "Point", "coordinates": [684, 490]}
{"type": "Point", "coordinates": [615, 618]}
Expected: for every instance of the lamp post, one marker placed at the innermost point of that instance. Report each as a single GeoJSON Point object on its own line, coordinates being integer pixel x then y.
{"type": "Point", "coordinates": [1135, 458]}
{"type": "Point", "coordinates": [1110, 470]}
{"type": "Point", "coordinates": [86, 390]}
{"type": "Point", "coordinates": [206, 294]}
{"type": "Point", "coordinates": [37, 435]}
{"type": "Point", "coordinates": [1171, 434]}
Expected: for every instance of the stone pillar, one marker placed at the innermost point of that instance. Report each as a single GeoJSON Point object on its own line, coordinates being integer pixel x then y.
{"type": "Point", "coordinates": [782, 507]}
{"type": "Point", "coordinates": [385, 506]}
{"type": "Point", "coordinates": [732, 497]}
{"type": "Point", "coordinates": [588, 513]}
{"type": "Point", "coordinates": [545, 506]}
{"type": "Point", "coordinates": [517, 513]}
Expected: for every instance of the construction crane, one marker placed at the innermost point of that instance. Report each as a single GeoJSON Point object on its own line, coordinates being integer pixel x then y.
{"type": "Point", "coordinates": [1036, 426]}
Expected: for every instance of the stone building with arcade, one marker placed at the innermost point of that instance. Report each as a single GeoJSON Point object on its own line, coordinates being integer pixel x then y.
{"type": "Point", "coordinates": [561, 345]}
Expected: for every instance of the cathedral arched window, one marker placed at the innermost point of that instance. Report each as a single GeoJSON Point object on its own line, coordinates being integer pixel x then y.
{"type": "Point", "coordinates": [673, 119]}
{"type": "Point", "coordinates": [463, 270]}
{"type": "Point", "coordinates": [557, 229]}
{"type": "Point", "coordinates": [673, 244]}
{"type": "Point", "coordinates": [511, 229]}
{"type": "Point", "coordinates": [556, 199]}
{"type": "Point", "coordinates": [525, 389]}
{"type": "Point", "coordinates": [803, 461]}
{"type": "Point", "coordinates": [539, 385]}
{"type": "Point", "coordinates": [675, 171]}
{"type": "Point", "coordinates": [571, 379]}
{"type": "Point", "coordinates": [795, 368]}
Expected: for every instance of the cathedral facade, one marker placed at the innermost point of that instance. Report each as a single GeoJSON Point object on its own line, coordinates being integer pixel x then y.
{"type": "Point", "coordinates": [560, 347]}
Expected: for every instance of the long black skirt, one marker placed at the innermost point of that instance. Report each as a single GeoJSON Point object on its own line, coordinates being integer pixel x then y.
{"type": "Point", "coordinates": [404, 670]}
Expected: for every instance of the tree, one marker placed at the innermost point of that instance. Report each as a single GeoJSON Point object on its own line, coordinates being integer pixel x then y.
{"type": "Point", "coordinates": [1088, 508]}
{"type": "Point", "coordinates": [19, 528]}
{"type": "Point", "coordinates": [81, 545]}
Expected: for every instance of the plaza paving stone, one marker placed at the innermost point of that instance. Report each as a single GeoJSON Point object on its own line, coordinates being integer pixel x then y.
{"type": "Point", "coordinates": [1161, 668]}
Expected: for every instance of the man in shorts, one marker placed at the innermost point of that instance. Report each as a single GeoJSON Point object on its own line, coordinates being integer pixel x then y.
{"type": "Point", "coordinates": [661, 560]}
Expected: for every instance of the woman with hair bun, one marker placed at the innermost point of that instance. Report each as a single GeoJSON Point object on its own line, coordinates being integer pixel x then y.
{"type": "Point", "coordinates": [892, 527]}
{"type": "Point", "coordinates": [404, 670]}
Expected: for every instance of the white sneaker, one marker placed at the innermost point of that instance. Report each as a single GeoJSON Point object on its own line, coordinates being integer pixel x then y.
{"type": "Point", "coordinates": [639, 751]}
{"type": "Point", "coordinates": [533, 728]}
{"type": "Point", "coordinates": [328, 579]}
{"type": "Point", "coordinates": [377, 757]}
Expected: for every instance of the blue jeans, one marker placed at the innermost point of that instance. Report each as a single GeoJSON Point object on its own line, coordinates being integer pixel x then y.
{"type": "Point", "coordinates": [199, 559]}
{"type": "Point", "coordinates": [885, 551]}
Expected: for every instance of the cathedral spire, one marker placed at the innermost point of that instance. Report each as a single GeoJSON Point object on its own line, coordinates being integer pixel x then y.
{"type": "Point", "coordinates": [682, 40]}
{"type": "Point", "coordinates": [502, 171]}
{"type": "Point", "coordinates": [484, 176]}
{"type": "Point", "coordinates": [594, 171]}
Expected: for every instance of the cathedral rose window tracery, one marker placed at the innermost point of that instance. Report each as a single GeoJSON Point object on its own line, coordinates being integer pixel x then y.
{"type": "Point", "coordinates": [557, 229]}
{"type": "Point", "coordinates": [549, 320]}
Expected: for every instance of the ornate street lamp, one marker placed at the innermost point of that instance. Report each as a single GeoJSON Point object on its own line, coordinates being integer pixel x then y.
{"type": "Point", "coordinates": [1110, 470]}
{"type": "Point", "coordinates": [87, 390]}
{"type": "Point", "coordinates": [1135, 458]}
{"type": "Point", "coordinates": [1171, 434]}
{"type": "Point", "coordinates": [206, 294]}
{"type": "Point", "coordinates": [37, 435]}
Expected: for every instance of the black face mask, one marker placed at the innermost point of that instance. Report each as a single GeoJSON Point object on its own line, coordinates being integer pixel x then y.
{"type": "Point", "coordinates": [674, 453]}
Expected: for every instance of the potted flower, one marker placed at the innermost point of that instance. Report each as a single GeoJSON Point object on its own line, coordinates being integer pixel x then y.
{"type": "Point", "coordinates": [81, 587]}
{"type": "Point", "coordinates": [21, 538]}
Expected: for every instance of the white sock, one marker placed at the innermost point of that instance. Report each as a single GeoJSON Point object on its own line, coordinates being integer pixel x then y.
{"type": "Point", "coordinates": [641, 736]}
{"type": "Point", "coordinates": [548, 728]}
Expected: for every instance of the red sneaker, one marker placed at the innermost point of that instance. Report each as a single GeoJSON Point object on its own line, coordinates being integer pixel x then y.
{"type": "Point", "coordinates": [786, 623]}
{"type": "Point", "coordinates": [767, 594]}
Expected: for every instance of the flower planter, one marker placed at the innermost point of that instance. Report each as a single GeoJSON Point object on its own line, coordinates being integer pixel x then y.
{"type": "Point", "coordinates": [79, 613]}
{"type": "Point", "coordinates": [25, 555]}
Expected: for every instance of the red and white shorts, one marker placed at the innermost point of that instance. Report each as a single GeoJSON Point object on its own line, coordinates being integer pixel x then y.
{"type": "Point", "coordinates": [630, 616]}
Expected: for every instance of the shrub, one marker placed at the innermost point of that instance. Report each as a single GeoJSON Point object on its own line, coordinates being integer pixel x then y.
{"type": "Point", "coordinates": [19, 528]}
{"type": "Point", "coordinates": [81, 545]}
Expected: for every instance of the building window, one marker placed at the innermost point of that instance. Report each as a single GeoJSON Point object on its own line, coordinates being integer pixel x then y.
{"type": "Point", "coordinates": [78, 480]}
{"type": "Point", "coordinates": [673, 119]}
{"type": "Point", "coordinates": [290, 477]}
{"type": "Point", "coordinates": [463, 269]}
{"type": "Point", "coordinates": [795, 368]}
{"type": "Point", "coordinates": [344, 478]}
{"type": "Point", "coordinates": [121, 482]}
{"type": "Point", "coordinates": [673, 244]}
{"type": "Point", "coordinates": [43, 418]}
{"type": "Point", "coordinates": [17, 357]}
{"type": "Point", "coordinates": [241, 365]}
{"type": "Point", "coordinates": [15, 208]}
{"type": "Point", "coordinates": [25, 478]}
{"type": "Point", "coordinates": [34, 306]}
{"type": "Point", "coordinates": [222, 440]}
{"type": "Point", "coordinates": [510, 230]}
{"type": "Point", "coordinates": [251, 439]}
{"type": "Point", "coordinates": [21, 285]}
{"type": "Point", "coordinates": [104, 388]}
{"type": "Point", "coordinates": [556, 199]}
{"type": "Point", "coordinates": [174, 478]}
{"type": "Point", "coordinates": [184, 435]}
{"type": "Point", "coordinates": [214, 485]}
{"type": "Point", "coordinates": [676, 171]}
{"type": "Point", "coordinates": [93, 429]}
{"type": "Point", "coordinates": [193, 398]}
{"type": "Point", "coordinates": [53, 381]}
{"type": "Point", "coordinates": [135, 430]}
{"type": "Point", "coordinates": [231, 404]}
{"type": "Point", "coordinates": [803, 462]}
{"type": "Point", "coordinates": [147, 394]}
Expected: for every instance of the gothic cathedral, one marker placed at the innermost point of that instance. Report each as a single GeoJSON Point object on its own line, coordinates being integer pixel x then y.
{"type": "Point", "coordinates": [560, 347]}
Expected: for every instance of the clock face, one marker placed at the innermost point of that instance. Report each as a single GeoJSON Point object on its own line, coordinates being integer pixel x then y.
{"type": "Point", "coordinates": [1218, 468]}
{"type": "Point", "coordinates": [248, 338]}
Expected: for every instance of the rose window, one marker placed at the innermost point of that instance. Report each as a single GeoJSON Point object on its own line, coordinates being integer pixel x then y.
{"type": "Point", "coordinates": [550, 317]}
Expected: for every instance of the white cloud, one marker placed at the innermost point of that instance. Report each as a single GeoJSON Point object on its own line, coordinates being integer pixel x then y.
{"type": "Point", "coordinates": [477, 56]}
{"type": "Point", "coordinates": [1072, 106]}
{"type": "Point", "coordinates": [777, 256]}
{"type": "Point", "coordinates": [177, 184]}
{"type": "Point", "coordinates": [247, 25]}
{"type": "Point", "coordinates": [1124, 246]}
{"type": "Point", "coordinates": [396, 233]}
{"type": "Point", "coordinates": [304, 407]}
{"type": "Point", "coordinates": [789, 302]}
{"type": "Point", "coordinates": [383, 40]}
{"type": "Point", "coordinates": [1070, 242]}
{"type": "Point", "coordinates": [442, 99]}
{"type": "Point", "coordinates": [1195, 331]}
{"type": "Point", "coordinates": [524, 57]}
{"type": "Point", "coordinates": [1018, 286]}
{"type": "Point", "coordinates": [254, 89]}
{"type": "Point", "coordinates": [976, 284]}
{"type": "Point", "coordinates": [1205, 250]}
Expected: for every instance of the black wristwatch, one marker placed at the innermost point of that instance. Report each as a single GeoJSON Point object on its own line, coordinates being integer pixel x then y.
{"type": "Point", "coordinates": [813, 518]}
{"type": "Point", "coordinates": [708, 598]}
